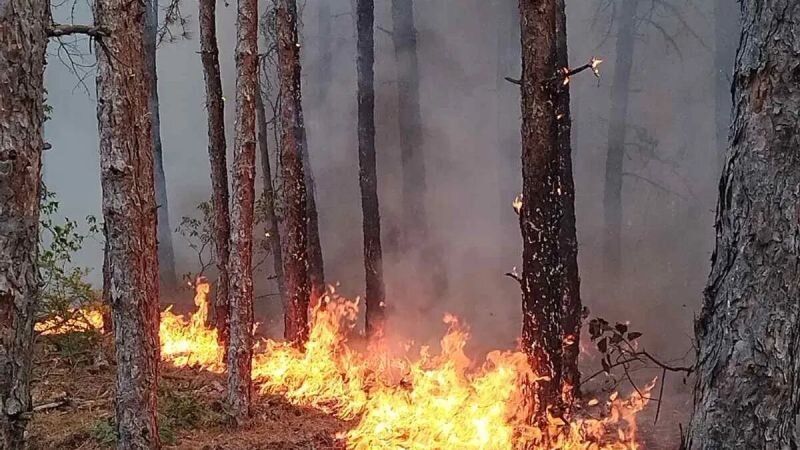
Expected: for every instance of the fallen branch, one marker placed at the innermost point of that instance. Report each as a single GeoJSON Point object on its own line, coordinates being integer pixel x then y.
{"type": "Point", "coordinates": [59, 30]}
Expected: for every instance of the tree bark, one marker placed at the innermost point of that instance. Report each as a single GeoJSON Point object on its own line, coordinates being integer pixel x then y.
{"type": "Point", "coordinates": [541, 211]}
{"type": "Point", "coordinates": [726, 27]}
{"type": "Point", "coordinates": [215, 106]}
{"type": "Point", "coordinates": [747, 371]}
{"type": "Point", "coordinates": [240, 265]}
{"type": "Point", "coordinates": [129, 211]}
{"type": "Point", "coordinates": [295, 261]}
{"type": "Point", "coordinates": [567, 238]}
{"type": "Point", "coordinates": [271, 218]}
{"type": "Point", "coordinates": [367, 176]}
{"type": "Point", "coordinates": [23, 41]}
{"type": "Point", "coordinates": [404, 36]}
{"type": "Point", "coordinates": [166, 256]}
{"type": "Point", "coordinates": [620, 90]}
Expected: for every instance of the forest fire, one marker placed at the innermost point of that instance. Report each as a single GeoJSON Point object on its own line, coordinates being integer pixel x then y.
{"type": "Point", "coordinates": [398, 401]}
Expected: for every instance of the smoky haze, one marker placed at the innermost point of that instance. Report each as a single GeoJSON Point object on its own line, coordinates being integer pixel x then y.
{"type": "Point", "coordinates": [471, 147]}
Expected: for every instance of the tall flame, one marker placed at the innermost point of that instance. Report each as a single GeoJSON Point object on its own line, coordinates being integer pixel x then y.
{"type": "Point", "coordinates": [439, 401]}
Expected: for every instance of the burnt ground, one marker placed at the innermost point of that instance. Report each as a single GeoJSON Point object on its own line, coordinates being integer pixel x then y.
{"type": "Point", "coordinates": [73, 394]}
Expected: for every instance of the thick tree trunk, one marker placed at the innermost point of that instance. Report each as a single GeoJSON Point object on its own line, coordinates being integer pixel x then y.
{"type": "Point", "coordinates": [23, 41]}
{"type": "Point", "coordinates": [166, 256]}
{"type": "Point", "coordinates": [567, 238]}
{"type": "Point", "coordinates": [747, 371]}
{"type": "Point", "coordinates": [726, 30]}
{"type": "Point", "coordinates": [295, 261]}
{"type": "Point", "coordinates": [215, 107]}
{"type": "Point", "coordinates": [540, 215]}
{"type": "Point", "coordinates": [129, 211]}
{"type": "Point", "coordinates": [271, 218]}
{"type": "Point", "coordinates": [240, 265]}
{"type": "Point", "coordinates": [367, 176]}
{"type": "Point", "coordinates": [620, 90]}
{"type": "Point", "coordinates": [404, 35]}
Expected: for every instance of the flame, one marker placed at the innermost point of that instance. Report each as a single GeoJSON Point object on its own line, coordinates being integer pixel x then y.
{"type": "Point", "coordinates": [517, 203]}
{"type": "Point", "coordinates": [77, 320]}
{"type": "Point", "coordinates": [443, 400]}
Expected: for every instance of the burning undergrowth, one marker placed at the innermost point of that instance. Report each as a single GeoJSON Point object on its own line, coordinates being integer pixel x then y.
{"type": "Point", "coordinates": [401, 397]}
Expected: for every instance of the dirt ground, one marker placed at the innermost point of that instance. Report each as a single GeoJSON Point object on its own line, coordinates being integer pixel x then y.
{"type": "Point", "coordinates": [73, 394]}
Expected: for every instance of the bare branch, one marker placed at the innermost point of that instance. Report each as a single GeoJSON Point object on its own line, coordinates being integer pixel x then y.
{"type": "Point", "coordinates": [58, 30]}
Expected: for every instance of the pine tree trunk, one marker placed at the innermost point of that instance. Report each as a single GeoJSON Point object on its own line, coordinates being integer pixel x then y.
{"type": "Point", "coordinates": [215, 107]}
{"type": "Point", "coordinates": [316, 270]}
{"type": "Point", "coordinates": [567, 239]}
{"type": "Point", "coordinates": [129, 211]}
{"type": "Point", "coordinates": [271, 218]}
{"type": "Point", "coordinates": [367, 176]}
{"type": "Point", "coordinates": [240, 264]}
{"type": "Point", "coordinates": [295, 261]}
{"type": "Point", "coordinates": [23, 41]}
{"type": "Point", "coordinates": [620, 90]}
{"type": "Point", "coordinates": [404, 35]}
{"type": "Point", "coordinates": [726, 29]}
{"type": "Point", "coordinates": [748, 371]}
{"type": "Point", "coordinates": [166, 256]}
{"type": "Point", "coordinates": [540, 215]}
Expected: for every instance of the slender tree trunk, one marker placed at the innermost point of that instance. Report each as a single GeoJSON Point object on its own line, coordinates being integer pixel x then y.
{"type": "Point", "coordinates": [295, 261]}
{"type": "Point", "coordinates": [325, 62]}
{"type": "Point", "coordinates": [166, 256]}
{"type": "Point", "coordinates": [316, 271]}
{"type": "Point", "coordinates": [748, 371]}
{"type": "Point", "coordinates": [507, 116]}
{"type": "Point", "coordinates": [567, 238]}
{"type": "Point", "coordinates": [726, 29]}
{"type": "Point", "coordinates": [271, 218]}
{"type": "Point", "coordinates": [620, 90]}
{"type": "Point", "coordinates": [404, 35]}
{"type": "Point", "coordinates": [240, 265]}
{"type": "Point", "coordinates": [23, 41]}
{"type": "Point", "coordinates": [540, 214]}
{"type": "Point", "coordinates": [129, 211]}
{"type": "Point", "coordinates": [367, 176]}
{"type": "Point", "coordinates": [215, 107]}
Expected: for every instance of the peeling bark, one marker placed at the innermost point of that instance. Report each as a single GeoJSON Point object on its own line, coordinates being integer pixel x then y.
{"type": "Point", "coordinates": [620, 90]}
{"type": "Point", "coordinates": [271, 218]}
{"type": "Point", "coordinates": [567, 239]}
{"type": "Point", "coordinates": [215, 107]}
{"type": "Point", "coordinates": [240, 265]}
{"type": "Point", "coordinates": [166, 255]}
{"type": "Point", "coordinates": [367, 176]}
{"type": "Point", "coordinates": [295, 255]}
{"type": "Point", "coordinates": [540, 215]}
{"type": "Point", "coordinates": [748, 332]}
{"type": "Point", "coordinates": [23, 41]}
{"type": "Point", "coordinates": [129, 212]}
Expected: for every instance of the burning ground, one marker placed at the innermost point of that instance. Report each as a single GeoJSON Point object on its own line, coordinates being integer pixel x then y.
{"type": "Point", "coordinates": [337, 393]}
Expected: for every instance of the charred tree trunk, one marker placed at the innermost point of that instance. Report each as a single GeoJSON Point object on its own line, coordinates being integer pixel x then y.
{"type": "Point", "coordinates": [541, 211]}
{"type": "Point", "coordinates": [567, 238]}
{"type": "Point", "coordinates": [166, 256]}
{"type": "Point", "coordinates": [316, 270]}
{"type": "Point", "coordinates": [23, 41]}
{"type": "Point", "coordinates": [215, 107]}
{"type": "Point", "coordinates": [240, 265]}
{"type": "Point", "coordinates": [367, 176]}
{"type": "Point", "coordinates": [129, 211]}
{"type": "Point", "coordinates": [620, 90]}
{"type": "Point", "coordinates": [726, 28]}
{"type": "Point", "coordinates": [271, 218]}
{"type": "Point", "coordinates": [747, 371]}
{"type": "Point", "coordinates": [295, 261]}
{"type": "Point", "coordinates": [404, 35]}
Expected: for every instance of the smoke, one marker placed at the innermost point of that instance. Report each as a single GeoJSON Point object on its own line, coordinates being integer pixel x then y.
{"type": "Point", "coordinates": [668, 198]}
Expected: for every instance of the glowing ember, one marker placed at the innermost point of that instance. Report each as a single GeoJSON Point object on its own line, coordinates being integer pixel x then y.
{"type": "Point", "coordinates": [429, 401]}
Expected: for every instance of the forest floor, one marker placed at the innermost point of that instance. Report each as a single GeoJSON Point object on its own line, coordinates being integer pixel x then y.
{"type": "Point", "coordinates": [73, 394]}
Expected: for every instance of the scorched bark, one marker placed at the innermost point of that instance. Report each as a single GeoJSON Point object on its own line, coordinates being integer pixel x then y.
{"type": "Point", "coordinates": [240, 265]}
{"type": "Point", "coordinates": [23, 41]}
{"type": "Point", "coordinates": [748, 333]}
{"type": "Point", "coordinates": [129, 211]}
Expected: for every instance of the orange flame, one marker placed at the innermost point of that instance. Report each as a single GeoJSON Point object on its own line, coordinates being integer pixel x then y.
{"type": "Point", "coordinates": [439, 401]}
